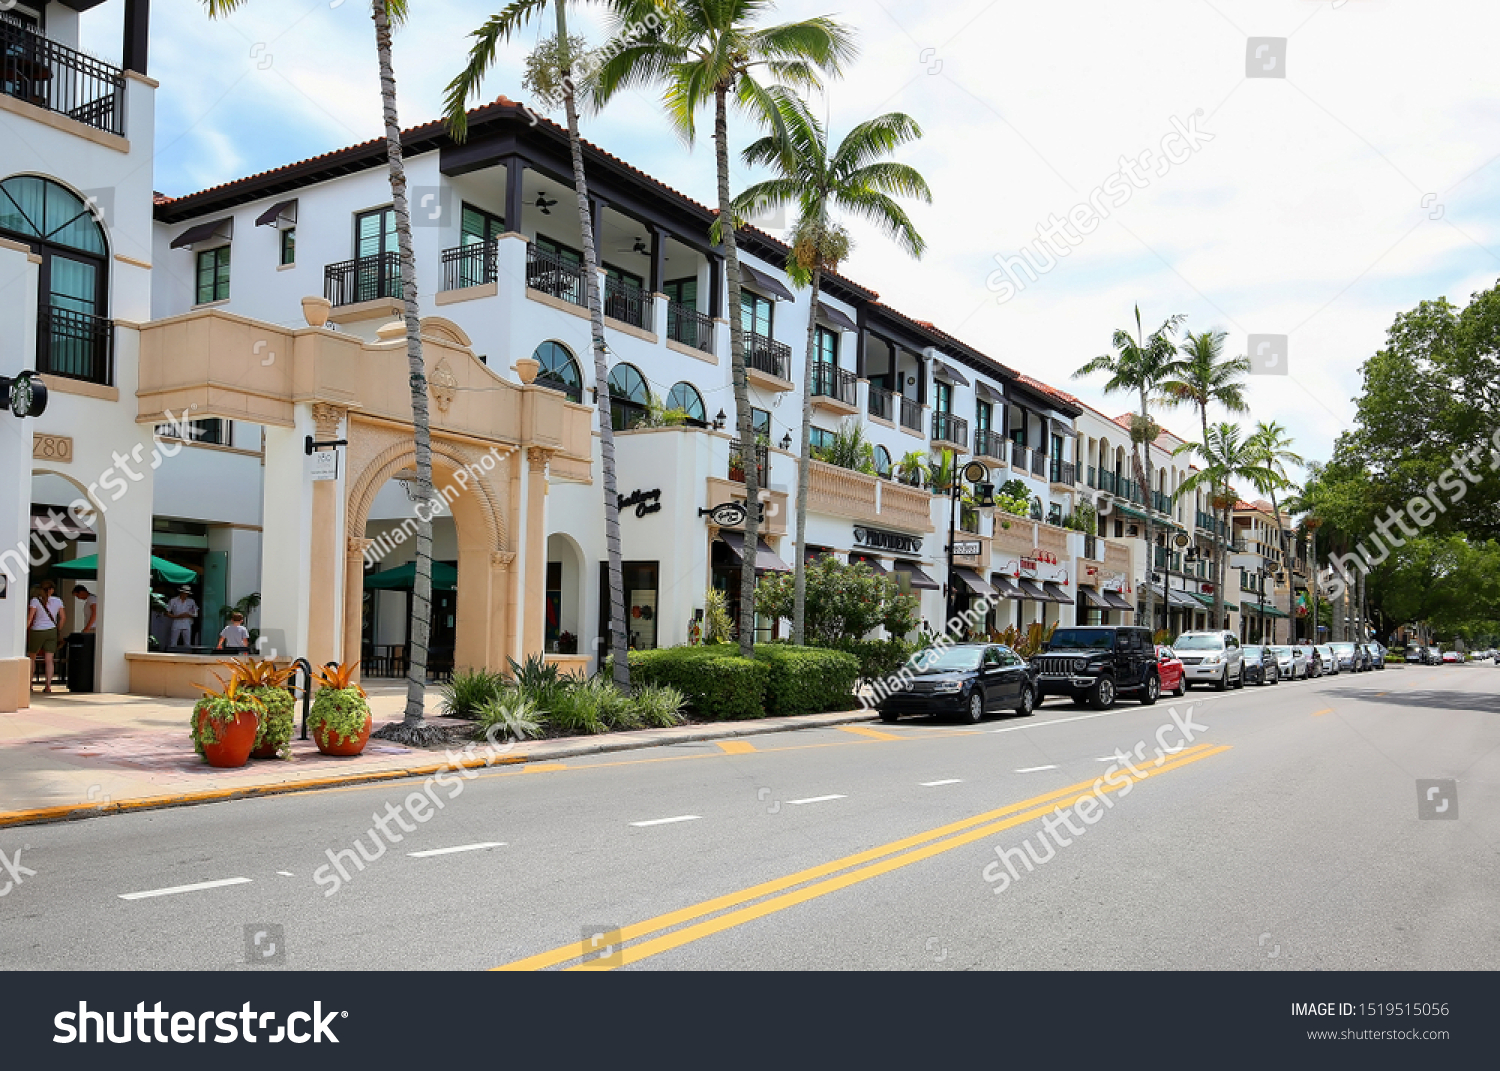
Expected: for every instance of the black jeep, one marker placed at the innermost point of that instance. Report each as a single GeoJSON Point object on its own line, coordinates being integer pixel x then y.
{"type": "Point", "coordinates": [1096, 663]}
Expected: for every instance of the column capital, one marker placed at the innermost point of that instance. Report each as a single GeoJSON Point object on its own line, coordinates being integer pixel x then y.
{"type": "Point", "coordinates": [502, 558]}
{"type": "Point", "coordinates": [537, 458]}
{"type": "Point", "coordinates": [355, 551]}
{"type": "Point", "coordinates": [327, 417]}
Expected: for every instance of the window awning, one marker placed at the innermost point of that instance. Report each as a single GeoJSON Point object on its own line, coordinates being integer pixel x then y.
{"type": "Point", "coordinates": [919, 580]}
{"type": "Point", "coordinates": [1004, 586]}
{"type": "Point", "coordinates": [1182, 600]}
{"type": "Point", "coordinates": [838, 319]}
{"type": "Point", "coordinates": [947, 373]}
{"type": "Point", "coordinates": [765, 282]}
{"type": "Point", "coordinates": [972, 580]}
{"type": "Point", "coordinates": [1208, 601]}
{"type": "Point", "coordinates": [989, 393]}
{"type": "Point", "coordinates": [276, 213]}
{"type": "Point", "coordinates": [1115, 601]}
{"type": "Point", "coordinates": [202, 232]}
{"type": "Point", "coordinates": [1055, 590]}
{"type": "Point", "coordinates": [1262, 609]}
{"type": "Point", "coordinates": [766, 560]}
{"type": "Point", "coordinates": [873, 563]}
{"type": "Point", "coordinates": [1094, 599]}
{"type": "Point", "coordinates": [1031, 590]}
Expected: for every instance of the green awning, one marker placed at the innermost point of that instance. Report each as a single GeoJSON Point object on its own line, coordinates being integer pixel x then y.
{"type": "Point", "coordinates": [404, 578]}
{"type": "Point", "coordinates": [1263, 609]}
{"type": "Point", "coordinates": [161, 569]}
{"type": "Point", "coordinates": [1208, 601]}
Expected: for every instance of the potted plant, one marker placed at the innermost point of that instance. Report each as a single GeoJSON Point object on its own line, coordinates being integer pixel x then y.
{"type": "Point", "coordinates": [267, 682]}
{"type": "Point", "coordinates": [225, 723]}
{"type": "Point", "coordinates": [340, 717]}
{"type": "Point", "coordinates": [567, 643]}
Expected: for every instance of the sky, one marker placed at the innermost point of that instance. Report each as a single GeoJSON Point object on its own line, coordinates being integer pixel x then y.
{"type": "Point", "coordinates": [1352, 176]}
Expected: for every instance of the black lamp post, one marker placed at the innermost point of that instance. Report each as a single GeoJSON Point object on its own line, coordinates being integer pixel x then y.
{"type": "Point", "coordinates": [975, 473]}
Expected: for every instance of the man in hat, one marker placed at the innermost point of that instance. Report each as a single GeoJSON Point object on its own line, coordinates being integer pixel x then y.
{"type": "Point", "coordinates": [182, 610]}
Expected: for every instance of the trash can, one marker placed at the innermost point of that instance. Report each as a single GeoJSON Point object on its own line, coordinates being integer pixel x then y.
{"type": "Point", "coordinates": [81, 662]}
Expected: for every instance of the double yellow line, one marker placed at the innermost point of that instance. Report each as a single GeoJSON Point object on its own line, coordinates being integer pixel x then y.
{"type": "Point", "coordinates": [770, 897]}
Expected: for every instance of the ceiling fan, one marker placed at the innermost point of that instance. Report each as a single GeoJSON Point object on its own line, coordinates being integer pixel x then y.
{"type": "Point", "coordinates": [640, 247]}
{"type": "Point", "coordinates": [544, 204]}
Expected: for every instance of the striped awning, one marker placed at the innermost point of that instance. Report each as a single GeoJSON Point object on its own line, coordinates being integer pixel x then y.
{"type": "Point", "coordinates": [1116, 601]}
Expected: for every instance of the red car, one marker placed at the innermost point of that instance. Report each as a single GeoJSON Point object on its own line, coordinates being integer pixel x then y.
{"type": "Point", "coordinates": [1169, 669]}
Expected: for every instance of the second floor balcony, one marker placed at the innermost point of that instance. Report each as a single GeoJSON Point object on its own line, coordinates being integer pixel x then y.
{"type": "Point", "coordinates": [738, 461]}
{"type": "Point", "coordinates": [40, 71]}
{"type": "Point", "coordinates": [768, 362]}
{"type": "Point", "coordinates": [75, 345]}
{"type": "Point", "coordinates": [1062, 472]}
{"type": "Point", "coordinates": [911, 414]}
{"type": "Point", "coordinates": [369, 278]}
{"type": "Point", "coordinates": [690, 327]}
{"type": "Point", "coordinates": [555, 276]}
{"type": "Point", "coordinates": [835, 389]}
{"type": "Point", "coordinates": [950, 432]}
{"type": "Point", "coordinates": [989, 443]}
{"type": "Point", "coordinates": [881, 404]}
{"type": "Point", "coordinates": [470, 265]}
{"type": "Point", "coordinates": [626, 303]}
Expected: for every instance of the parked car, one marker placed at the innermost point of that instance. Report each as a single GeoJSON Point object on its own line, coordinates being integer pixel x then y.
{"type": "Point", "coordinates": [1415, 656]}
{"type": "Point", "coordinates": [1096, 664]}
{"type": "Point", "coordinates": [1348, 656]}
{"type": "Point", "coordinates": [1313, 659]}
{"type": "Point", "coordinates": [1260, 666]}
{"type": "Point", "coordinates": [1290, 661]}
{"type": "Point", "coordinates": [1169, 669]}
{"type": "Point", "coordinates": [1211, 657]}
{"type": "Point", "coordinates": [1377, 655]}
{"type": "Point", "coordinates": [1434, 656]}
{"type": "Point", "coordinates": [1327, 658]}
{"type": "Point", "coordinates": [967, 679]}
{"type": "Point", "coordinates": [1450, 657]}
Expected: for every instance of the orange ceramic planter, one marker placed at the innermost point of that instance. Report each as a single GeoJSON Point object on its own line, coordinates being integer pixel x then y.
{"type": "Point", "coordinates": [331, 744]}
{"type": "Point", "coordinates": [236, 738]}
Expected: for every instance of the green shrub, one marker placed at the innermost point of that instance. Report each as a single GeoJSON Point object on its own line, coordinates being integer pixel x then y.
{"type": "Point", "coordinates": [340, 713]}
{"type": "Point", "coordinates": [718, 684]}
{"type": "Point", "coordinates": [470, 691]}
{"type": "Point", "coordinates": [539, 679]}
{"type": "Point", "coordinates": [584, 707]}
{"type": "Point", "coordinates": [515, 713]}
{"type": "Point", "coordinates": [659, 706]}
{"type": "Point", "coordinates": [807, 680]}
{"type": "Point", "coordinates": [877, 658]}
{"type": "Point", "coordinates": [278, 723]}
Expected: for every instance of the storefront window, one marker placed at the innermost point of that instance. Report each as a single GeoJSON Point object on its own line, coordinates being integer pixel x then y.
{"type": "Point", "coordinates": [641, 581]}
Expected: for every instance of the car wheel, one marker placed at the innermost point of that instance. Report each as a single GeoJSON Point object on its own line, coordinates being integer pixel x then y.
{"type": "Point", "coordinates": [1103, 694]}
{"type": "Point", "coordinates": [1222, 683]}
{"type": "Point", "coordinates": [974, 712]}
{"type": "Point", "coordinates": [1028, 701]}
{"type": "Point", "coordinates": [1181, 689]}
{"type": "Point", "coordinates": [888, 716]}
{"type": "Point", "coordinates": [1239, 682]}
{"type": "Point", "coordinates": [1152, 690]}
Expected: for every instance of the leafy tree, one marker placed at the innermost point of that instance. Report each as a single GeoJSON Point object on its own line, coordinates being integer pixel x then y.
{"type": "Point", "coordinates": [843, 601]}
{"type": "Point", "coordinates": [1225, 458]}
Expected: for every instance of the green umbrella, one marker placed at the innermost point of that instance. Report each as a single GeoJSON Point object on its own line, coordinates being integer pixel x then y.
{"type": "Point", "coordinates": [404, 578]}
{"type": "Point", "coordinates": [161, 569]}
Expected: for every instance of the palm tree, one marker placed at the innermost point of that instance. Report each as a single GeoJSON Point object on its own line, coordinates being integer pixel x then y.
{"type": "Point", "coordinates": [1200, 377]}
{"type": "Point", "coordinates": [1226, 457]}
{"type": "Point", "coordinates": [1270, 445]}
{"type": "Point", "coordinates": [411, 730]}
{"type": "Point", "coordinates": [1139, 365]}
{"type": "Point", "coordinates": [855, 179]}
{"type": "Point", "coordinates": [706, 51]}
{"type": "Point", "coordinates": [556, 74]}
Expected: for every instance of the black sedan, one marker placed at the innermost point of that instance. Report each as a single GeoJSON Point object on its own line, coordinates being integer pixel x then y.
{"type": "Point", "coordinates": [967, 679]}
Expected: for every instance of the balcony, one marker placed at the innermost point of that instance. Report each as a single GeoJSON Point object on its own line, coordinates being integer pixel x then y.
{"type": "Point", "coordinates": [1063, 472]}
{"type": "Point", "coordinates": [625, 302]}
{"type": "Point", "coordinates": [950, 432]}
{"type": "Point", "coordinates": [1039, 464]}
{"type": "Point", "coordinates": [1161, 502]}
{"type": "Point", "coordinates": [911, 414]}
{"type": "Point", "coordinates": [75, 345]}
{"type": "Point", "coordinates": [547, 273]}
{"type": "Point", "coordinates": [53, 76]}
{"type": "Point", "coordinates": [737, 462]}
{"type": "Point", "coordinates": [834, 389]}
{"type": "Point", "coordinates": [363, 279]}
{"type": "Point", "coordinates": [690, 327]}
{"type": "Point", "coordinates": [882, 404]}
{"type": "Point", "coordinates": [989, 443]}
{"type": "Point", "coordinates": [881, 503]}
{"type": "Point", "coordinates": [470, 265]}
{"type": "Point", "coordinates": [768, 362]}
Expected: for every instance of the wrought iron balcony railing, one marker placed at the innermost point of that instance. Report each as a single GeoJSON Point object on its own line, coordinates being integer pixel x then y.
{"type": "Point", "coordinates": [40, 71]}
{"type": "Point", "coordinates": [363, 279]}
{"type": "Point", "coordinates": [75, 345]}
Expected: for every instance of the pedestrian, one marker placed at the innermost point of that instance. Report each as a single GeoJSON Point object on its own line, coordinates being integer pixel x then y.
{"type": "Point", "coordinates": [90, 611]}
{"type": "Point", "coordinates": [182, 610]}
{"type": "Point", "coordinates": [44, 617]}
{"type": "Point", "coordinates": [235, 637]}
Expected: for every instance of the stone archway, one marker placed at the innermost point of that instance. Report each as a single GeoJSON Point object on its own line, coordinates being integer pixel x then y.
{"type": "Point", "coordinates": [472, 483]}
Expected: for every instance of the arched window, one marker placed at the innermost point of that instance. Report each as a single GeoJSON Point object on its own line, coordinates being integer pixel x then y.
{"type": "Point", "coordinates": [629, 397]}
{"type": "Point", "coordinates": [559, 370]}
{"type": "Point", "coordinates": [685, 396]}
{"type": "Point", "coordinates": [882, 461]}
{"type": "Point", "coordinates": [73, 338]}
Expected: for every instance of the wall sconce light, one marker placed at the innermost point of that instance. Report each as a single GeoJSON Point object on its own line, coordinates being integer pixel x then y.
{"type": "Point", "coordinates": [719, 421]}
{"type": "Point", "coordinates": [786, 441]}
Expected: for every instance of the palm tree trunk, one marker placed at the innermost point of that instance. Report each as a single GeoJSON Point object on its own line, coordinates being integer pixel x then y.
{"type": "Point", "coordinates": [1145, 448]}
{"type": "Point", "coordinates": [748, 450]}
{"type": "Point", "coordinates": [799, 584]}
{"type": "Point", "coordinates": [1286, 564]}
{"type": "Point", "coordinates": [421, 603]}
{"type": "Point", "coordinates": [619, 623]}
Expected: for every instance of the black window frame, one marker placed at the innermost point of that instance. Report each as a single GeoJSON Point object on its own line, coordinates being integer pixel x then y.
{"type": "Point", "coordinates": [493, 225]}
{"type": "Point", "coordinates": [198, 260]}
{"type": "Point", "coordinates": [626, 413]}
{"type": "Point", "coordinates": [547, 377]}
{"type": "Point", "coordinates": [756, 302]}
{"type": "Point", "coordinates": [288, 246]}
{"type": "Point", "coordinates": [832, 337]}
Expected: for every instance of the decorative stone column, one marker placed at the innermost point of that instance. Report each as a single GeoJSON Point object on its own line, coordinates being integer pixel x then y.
{"type": "Point", "coordinates": [323, 633]}
{"type": "Point", "coordinates": [354, 594]}
{"type": "Point", "coordinates": [534, 618]}
{"type": "Point", "coordinates": [502, 609]}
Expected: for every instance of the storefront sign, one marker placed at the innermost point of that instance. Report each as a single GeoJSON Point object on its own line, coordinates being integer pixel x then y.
{"type": "Point", "coordinates": [875, 539]}
{"type": "Point", "coordinates": [325, 465]}
{"type": "Point", "coordinates": [25, 395]}
{"type": "Point", "coordinates": [968, 548]}
{"type": "Point", "coordinates": [729, 514]}
{"type": "Point", "coordinates": [644, 501]}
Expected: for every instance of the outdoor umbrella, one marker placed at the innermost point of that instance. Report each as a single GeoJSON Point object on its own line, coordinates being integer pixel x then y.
{"type": "Point", "coordinates": [161, 569]}
{"type": "Point", "coordinates": [404, 578]}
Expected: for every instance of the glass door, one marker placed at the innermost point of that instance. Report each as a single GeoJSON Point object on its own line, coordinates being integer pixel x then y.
{"type": "Point", "coordinates": [377, 271]}
{"type": "Point", "coordinates": [73, 301]}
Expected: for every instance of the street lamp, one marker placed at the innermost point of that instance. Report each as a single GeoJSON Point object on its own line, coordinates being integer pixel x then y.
{"type": "Point", "coordinates": [975, 473]}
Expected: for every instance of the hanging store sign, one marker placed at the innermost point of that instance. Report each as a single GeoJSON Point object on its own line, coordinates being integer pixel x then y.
{"type": "Point", "coordinates": [728, 515]}
{"type": "Point", "coordinates": [968, 548]}
{"type": "Point", "coordinates": [645, 502]}
{"type": "Point", "coordinates": [25, 395]}
{"type": "Point", "coordinates": [325, 465]}
{"type": "Point", "coordinates": [876, 539]}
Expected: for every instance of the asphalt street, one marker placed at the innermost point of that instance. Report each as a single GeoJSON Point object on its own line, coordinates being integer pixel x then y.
{"type": "Point", "coordinates": [1271, 828]}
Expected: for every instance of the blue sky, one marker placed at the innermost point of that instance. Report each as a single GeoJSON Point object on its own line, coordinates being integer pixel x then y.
{"type": "Point", "coordinates": [1362, 182]}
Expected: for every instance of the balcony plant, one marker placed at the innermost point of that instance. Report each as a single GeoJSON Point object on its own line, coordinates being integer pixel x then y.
{"type": "Point", "coordinates": [848, 449]}
{"type": "Point", "coordinates": [340, 717]}
{"type": "Point", "coordinates": [225, 723]}
{"type": "Point", "coordinates": [912, 468]}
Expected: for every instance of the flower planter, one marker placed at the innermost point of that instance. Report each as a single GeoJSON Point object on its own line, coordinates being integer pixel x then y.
{"type": "Point", "coordinates": [330, 743]}
{"type": "Point", "coordinates": [231, 740]}
{"type": "Point", "coordinates": [340, 717]}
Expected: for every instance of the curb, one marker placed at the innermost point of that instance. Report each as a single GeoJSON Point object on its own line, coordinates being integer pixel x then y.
{"type": "Point", "coordinates": [74, 812]}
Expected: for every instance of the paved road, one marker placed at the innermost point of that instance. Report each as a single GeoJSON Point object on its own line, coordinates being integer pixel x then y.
{"type": "Point", "coordinates": [1283, 835]}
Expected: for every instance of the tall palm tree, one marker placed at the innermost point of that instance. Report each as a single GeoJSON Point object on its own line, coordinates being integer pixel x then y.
{"type": "Point", "coordinates": [712, 51]}
{"type": "Point", "coordinates": [1226, 457]}
{"type": "Point", "coordinates": [856, 179]}
{"type": "Point", "coordinates": [499, 28]}
{"type": "Point", "coordinates": [1270, 445]}
{"type": "Point", "coordinates": [1139, 366]}
{"type": "Point", "coordinates": [385, 13]}
{"type": "Point", "coordinates": [1200, 376]}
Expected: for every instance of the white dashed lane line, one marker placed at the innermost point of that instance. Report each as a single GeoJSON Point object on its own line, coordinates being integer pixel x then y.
{"type": "Point", "coordinates": [949, 781]}
{"type": "Point", "coordinates": [149, 893]}
{"type": "Point", "coordinates": [669, 821]}
{"type": "Point", "coordinates": [815, 799]}
{"type": "Point", "coordinates": [460, 848]}
{"type": "Point", "coordinates": [1036, 769]}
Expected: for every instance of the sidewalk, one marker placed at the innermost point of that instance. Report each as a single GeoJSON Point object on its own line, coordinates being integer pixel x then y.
{"type": "Point", "coordinates": [77, 756]}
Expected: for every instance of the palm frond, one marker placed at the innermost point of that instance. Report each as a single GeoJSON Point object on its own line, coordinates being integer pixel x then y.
{"type": "Point", "coordinates": [497, 29]}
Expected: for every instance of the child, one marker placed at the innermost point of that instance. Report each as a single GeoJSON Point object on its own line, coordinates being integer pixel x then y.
{"type": "Point", "coordinates": [235, 637]}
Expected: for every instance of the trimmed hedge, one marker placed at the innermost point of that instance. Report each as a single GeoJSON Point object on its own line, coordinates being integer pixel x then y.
{"type": "Point", "coordinates": [807, 680]}
{"type": "Point", "coordinates": [877, 658]}
{"type": "Point", "coordinates": [718, 683]}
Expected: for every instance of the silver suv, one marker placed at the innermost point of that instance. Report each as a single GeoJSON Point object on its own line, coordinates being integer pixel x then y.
{"type": "Point", "coordinates": [1211, 658]}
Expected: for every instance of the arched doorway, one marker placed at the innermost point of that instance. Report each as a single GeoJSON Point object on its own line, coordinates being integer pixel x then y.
{"type": "Point", "coordinates": [565, 592]}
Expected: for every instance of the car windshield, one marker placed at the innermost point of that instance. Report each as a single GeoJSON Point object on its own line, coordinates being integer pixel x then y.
{"type": "Point", "coordinates": [1199, 643]}
{"type": "Point", "coordinates": [1343, 648]}
{"type": "Point", "coordinates": [1253, 654]}
{"type": "Point", "coordinates": [1282, 651]}
{"type": "Point", "coordinates": [945, 659]}
{"type": "Point", "coordinates": [1074, 639]}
